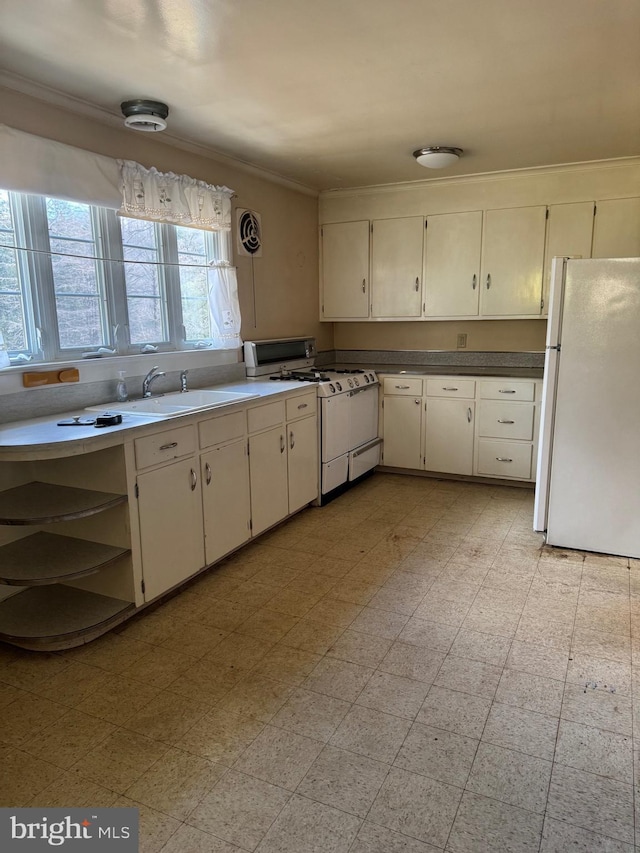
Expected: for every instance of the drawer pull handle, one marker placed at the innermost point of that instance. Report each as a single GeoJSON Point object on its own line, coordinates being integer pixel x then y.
{"type": "Point", "coordinates": [417, 402]}
{"type": "Point", "coordinates": [444, 388]}
{"type": "Point", "coordinates": [303, 406]}
{"type": "Point", "coordinates": [506, 391]}
{"type": "Point", "coordinates": [474, 281]}
{"type": "Point", "coordinates": [364, 283]}
{"type": "Point", "coordinates": [503, 459]}
{"type": "Point", "coordinates": [488, 280]}
{"type": "Point", "coordinates": [469, 413]}
{"type": "Point", "coordinates": [402, 387]}
{"type": "Point", "coordinates": [282, 444]}
{"type": "Point", "coordinates": [169, 446]}
{"type": "Point", "coordinates": [194, 480]}
{"type": "Point", "coordinates": [207, 469]}
{"type": "Point", "coordinates": [417, 284]}
{"type": "Point", "coordinates": [505, 422]}
{"type": "Point", "coordinates": [292, 441]}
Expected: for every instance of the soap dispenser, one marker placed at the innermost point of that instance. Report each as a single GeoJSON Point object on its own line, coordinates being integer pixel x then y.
{"type": "Point", "coordinates": [122, 395]}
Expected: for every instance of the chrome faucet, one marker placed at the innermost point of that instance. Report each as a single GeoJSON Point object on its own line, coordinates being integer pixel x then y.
{"type": "Point", "coordinates": [148, 379]}
{"type": "Point", "coordinates": [183, 381]}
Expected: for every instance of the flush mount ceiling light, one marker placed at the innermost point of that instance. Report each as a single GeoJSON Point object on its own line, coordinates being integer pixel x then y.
{"type": "Point", "coordinates": [437, 156]}
{"type": "Point", "coordinates": [142, 114]}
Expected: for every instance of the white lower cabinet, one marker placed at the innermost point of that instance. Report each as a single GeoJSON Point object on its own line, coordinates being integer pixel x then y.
{"type": "Point", "coordinates": [268, 475]}
{"type": "Point", "coordinates": [449, 436]}
{"type": "Point", "coordinates": [302, 462]}
{"type": "Point", "coordinates": [402, 431]}
{"type": "Point", "coordinates": [226, 503]}
{"type": "Point", "coordinates": [171, 531]}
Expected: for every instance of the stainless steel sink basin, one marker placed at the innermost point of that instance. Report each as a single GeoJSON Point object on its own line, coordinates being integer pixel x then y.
{"type": "Point", "coordinates": [170, 405]}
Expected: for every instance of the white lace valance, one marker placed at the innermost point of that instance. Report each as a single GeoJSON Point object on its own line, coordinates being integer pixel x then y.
{"type": "Point", "coordinates": [167, 197]}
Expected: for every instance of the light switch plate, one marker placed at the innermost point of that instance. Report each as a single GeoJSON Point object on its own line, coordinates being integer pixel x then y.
{"type": "Point", "coordinates": [462, 342]}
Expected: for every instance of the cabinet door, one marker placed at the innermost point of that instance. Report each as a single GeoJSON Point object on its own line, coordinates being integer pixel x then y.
{"type": "Point", "coordinates": [302, 461]}
{"type": "Point", "coordinates": [402, 420]}
{"type": "Point", "coordinates": [449, 436]}
{"type": "Point", "coordinates": [452, 264]}
{"type": "Point", "coordinates": [512, 261]}
{"type": "Point", "coordinates": [396, 267]}
{"type": "Point", "coordinates": [268, 476]}
{"type": "Point", "coordinates": [569, 232]}
{"type": "Point", "coordinates": [225, 499]}
{"type": "Point", "coordinates": [171, 532]}
{"type": "Point", "coordinates": [345, 270]}
{"type": "Point", "coordinates": [617, 229]}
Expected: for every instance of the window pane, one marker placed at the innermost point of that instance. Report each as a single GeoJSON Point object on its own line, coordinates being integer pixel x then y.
{"type": "Point", "coordinates": [145, 319]}
{"type": "Point", "coordinates": [12, 322]}
{"type": "Point", "coordinates": [137, 232]}
{"type": "Point", "coordinates": [193, 283]}
{"type": "Point", "coordinates": [69, 219]}
{"type": "Point", "coordinates": [79, 321]}
{"type": "Point", "coordinates": [6, 221]}
{"type": "Point", "coordinates": [74, 275]}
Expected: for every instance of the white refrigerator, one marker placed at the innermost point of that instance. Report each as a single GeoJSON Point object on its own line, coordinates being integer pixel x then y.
{"type": "Point", "coordinates": [588, 477]}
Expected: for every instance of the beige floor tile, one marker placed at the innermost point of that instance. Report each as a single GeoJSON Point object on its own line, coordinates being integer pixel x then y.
{"type": "Point", "coordinates": [396, 600]}
{"type": "Point", "coordinates": [353, 592]}
{"type": "Point", "coordinates": [373, 838]}
{"type": "Point", "coordinates": [469, 676]}
{"type": "Point", "coordinates": [284, 663]}
{"type": "Point", "coordinates": [117, 699]}
{"type": "Point", "coordinates": [151, 628]}
{"type": "Point", "coordinates": [489, 619]}
{"type": "Point", "coordinates": [338, 678]}
{"type": "Point", "coordinates": [312, 584]}
{"type": "Point", "coordinates": [437, 609]}
{"type": "Point", "coordinates": [71, 791]}
{"type": "Point", "coordinates": [540, 631]}
{"type": "Point", "coordinates": [363, 649]}
{"type": "Point", "coordinates": [603, 619]}
{"type": "Point", "coordinates": [510, 777]}
{"type": "Point", "coordinates": [112, 652]}
{"type": "Point", "coordinates": [239, 652]}
{"type": "Point", "coordinates": [26, 716]}
{"type": "Point", "coordinates": [159, 667]}
{"type": "Point", "coordinates": [602, 644]}
{"type": "Point", "coordinates": [412, 662]}
{"type": "Point", "coordinates": [206, 681]}
{"type": "Point", "coordinates": [29, 671]}
{"type": "Point", "coordinates": [416, 806]}
{"type": "Point", "coordinates": [156, 828]}
{"type": "Point", "coordinates": [346, 781]}
{"type": "Point", "coordinates": [305, 826]}
{"type": "Point", "coordinates": [194, 639]}
{"type": "Point", "coordinates": [611, 675]}
{"type": "Point", "coordinates": [558, 837]}
{"type": "Point", "coordinates": [483, 825]}
{"type": "Point", "coordinates": [598, 707]}
{"type": "Point", "coordinates": [224, 614]}
{"type": "Point", "coordinates": [257, 697]}
{"type": "Point", "coordinates": [439, 754]}
{"type": "Point", "coordinates": [252, 593]}
{"type": "Point", "coordinates": [269, 625]}
{"type": "Point", "coordinates": [68, 739]}
{"type": "Point", "coordinates": [279, 757]}
{"type": "Point", "coordinates": [428, 634]}
{"type": "Point", "coordinates": [221, 736]}
{"type": "Point", "coordinates": [294, 602]}
{"type": "Point", "coordinates": [532, 692]}
{"type": "Point", "coordinates": [311, 714]}
{"type": "Point", "coordinates": [592, 802]}
{"type": "Point", "coordinates": [379, 623]}
{"type": "Point", "coordinates": [371, 733]}
{"type": "Point", "coordinates": [188, 839]}
{"type": "Point", "coordinates": [73, 684]}
{"type": "Point", "coordinates": [538, 660]}
{"type": "Point", "coordinates": [312, 636]}
{"type": "Point", "coordinates": [120, 760]}
{"type": "Point", "coordinates": [595, 750]}
{"type": "Point", "coordinates": [334, 612]}
{"type": "Point", "coordinates": [239, 809]}
{"type": "Point", "coordinates": [9, 694]}
{"type": "Point", "coordinates": [482, 647]}
{"type": "Point", "coordinates": [23, 777]}
{"type": "Point", "coordinates": [519, 729]}
{"type": "Point", "coordinates": [176, 783]}
{"type": "Point", "coordinates": [393, 694]}
{"type": "Point", "coordinates": [167, 717]}
{"type": "Point", "coordinates": [454, 711]}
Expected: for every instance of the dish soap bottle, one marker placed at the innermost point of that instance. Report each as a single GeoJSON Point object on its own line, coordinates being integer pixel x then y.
{"type": "Point", "coordinates": [122, 395]}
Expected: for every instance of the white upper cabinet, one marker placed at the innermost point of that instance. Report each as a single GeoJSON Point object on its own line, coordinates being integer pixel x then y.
{"type": "Point", "coordinates": [452, 264]}
{"type": "Point", "coordinates": [345, 270]}
{"type": "Point", "coordinates": [569, 233]}
{"type": "Point", "coordinates": [616, 232]}
{"type": "Point", "coordinates": [396, 267]}
{"type": "Point", "coordinates": [512, 261]}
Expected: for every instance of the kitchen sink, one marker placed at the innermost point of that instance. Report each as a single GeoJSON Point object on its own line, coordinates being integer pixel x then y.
{"type": "Point", "coordinates": [171, 405]}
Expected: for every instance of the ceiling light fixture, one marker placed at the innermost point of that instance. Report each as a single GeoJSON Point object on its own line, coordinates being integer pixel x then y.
{"type": "Point", "coordinates": [142, 114]}
{"type": "Point", "coordinates": [437, 156]}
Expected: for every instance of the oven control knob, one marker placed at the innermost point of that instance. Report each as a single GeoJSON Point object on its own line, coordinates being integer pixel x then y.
{"type": "Point", "coordinates": [350, 381]}
{"type": "Point", "coordinates": [338, 386]}
{"type": "Point", "coordinates": [373, 379]}
{"type": "Point", "coordinates": [332, 388]}
{"type": "Point", "coordinates": [366, 378]}
{"type": "Point", "coordinates": [357, 381]}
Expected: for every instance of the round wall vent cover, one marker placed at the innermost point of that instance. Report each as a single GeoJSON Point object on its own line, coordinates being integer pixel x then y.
{"type": "Point", "coordinates": [249, 233]}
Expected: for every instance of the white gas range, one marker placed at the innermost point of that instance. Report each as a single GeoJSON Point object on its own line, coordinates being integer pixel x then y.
{"type": "Point", "coordinates": [349, 443]}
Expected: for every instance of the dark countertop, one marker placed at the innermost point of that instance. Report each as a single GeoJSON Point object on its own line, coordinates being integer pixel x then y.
{"type": "Point", "coordinates": [442, 370]}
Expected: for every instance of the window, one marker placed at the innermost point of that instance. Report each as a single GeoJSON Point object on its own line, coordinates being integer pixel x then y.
{"type": "Point", "coordinates": [76, 278]}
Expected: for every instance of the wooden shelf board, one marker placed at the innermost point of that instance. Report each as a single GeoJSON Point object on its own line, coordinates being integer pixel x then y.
{"type": "Point", "coordinates": [44, 558]}
{"type": "Point", "coordinates": [45, 503]}
{"type": "Point", "coordinates": [58, 616]}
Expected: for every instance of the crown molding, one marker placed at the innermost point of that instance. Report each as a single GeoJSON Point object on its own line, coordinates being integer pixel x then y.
{"type": "Point", "coordinates": [482, 177]}
{"type": "Point", "coordinates": [49, 95]}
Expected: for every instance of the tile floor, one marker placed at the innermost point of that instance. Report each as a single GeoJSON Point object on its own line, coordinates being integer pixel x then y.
{"type": "Point", "coordinates": [405, 670]}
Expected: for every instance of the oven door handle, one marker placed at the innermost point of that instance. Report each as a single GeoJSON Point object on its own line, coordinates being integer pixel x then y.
{"type": "Point", "coordinates": [359, 390]}
{"type": "Point", "coordinates": [365, 447]}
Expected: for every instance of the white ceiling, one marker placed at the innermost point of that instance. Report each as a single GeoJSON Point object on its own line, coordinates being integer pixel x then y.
{"type": "Point", "coordinates": [334, 93]}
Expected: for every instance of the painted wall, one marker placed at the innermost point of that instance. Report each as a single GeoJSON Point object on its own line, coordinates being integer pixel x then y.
{"type": "Point", "coordinates": [278, 291]}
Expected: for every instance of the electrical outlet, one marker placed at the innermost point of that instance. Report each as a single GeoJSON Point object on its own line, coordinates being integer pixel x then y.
{"type": "Point", "coordinates": [462, 342]}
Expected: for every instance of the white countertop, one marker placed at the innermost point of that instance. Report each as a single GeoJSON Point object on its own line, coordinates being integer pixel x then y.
{"type": "Point", "coordinates": [41, 438]}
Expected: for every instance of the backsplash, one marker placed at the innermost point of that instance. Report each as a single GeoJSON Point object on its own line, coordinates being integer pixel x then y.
{"type": "Point", "coordinates": [445, 358]}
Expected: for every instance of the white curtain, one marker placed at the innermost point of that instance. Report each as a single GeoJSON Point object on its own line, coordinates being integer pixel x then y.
{"type": "Point", "coordinates": [167, 197]}
{"type": "Point", "coordinates": [224, 306]}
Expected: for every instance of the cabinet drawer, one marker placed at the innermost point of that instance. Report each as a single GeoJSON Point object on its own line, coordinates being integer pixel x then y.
{"type": "Point", "coordinates": [263, 417]}
{"type": "Point", "coordinates": [221, 429]}
{"type": "Point", "coordinates": [451, 387]}
{"type": "Point", "coordinates": [300, 407]}
{"type": "Point", "coordinates": [504, 459]}
{"type": "Point", "coordinates": [402, 385]}
{"type": "Point", "coordinates": [506, 420]}
{"type": "Point", "coordinates": [153, 449]}
{"type": "Point", "coordinates": [506, 389]}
